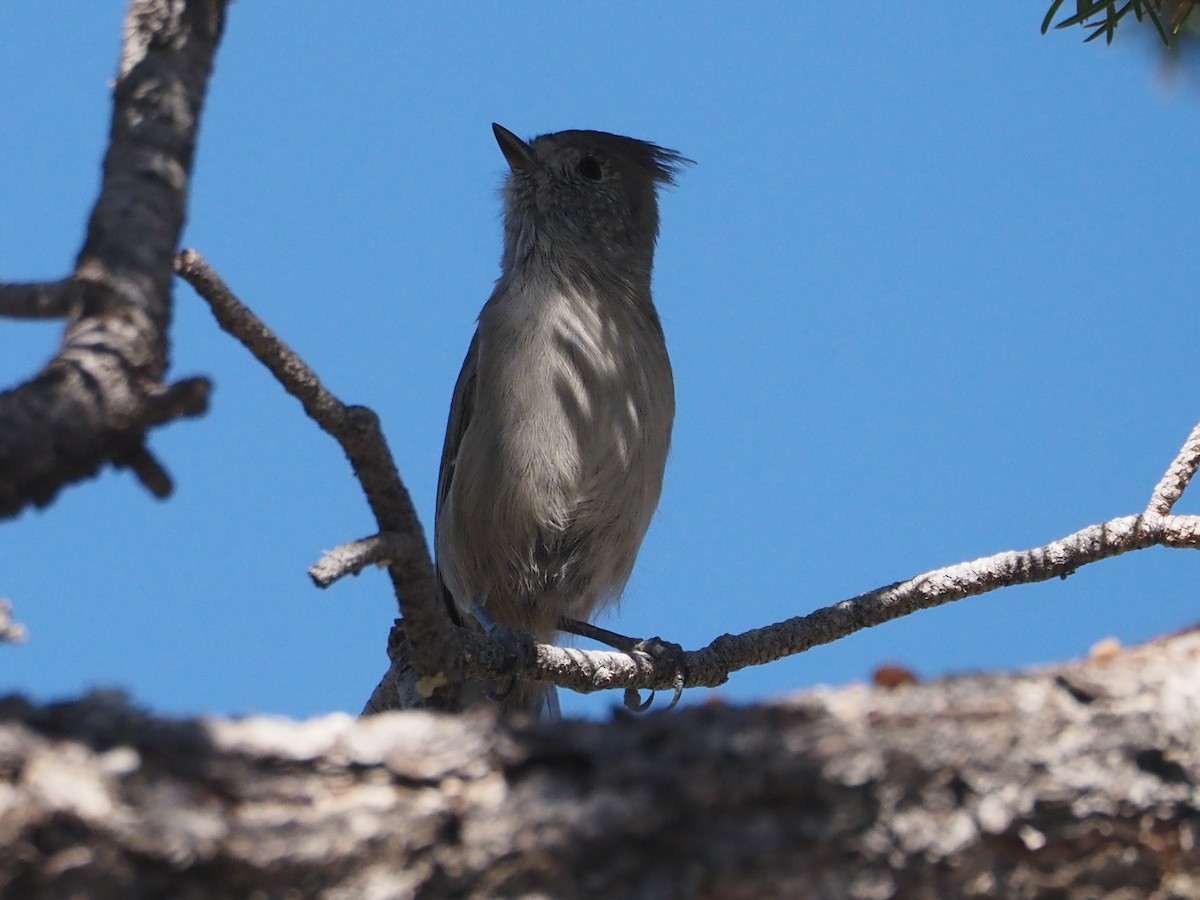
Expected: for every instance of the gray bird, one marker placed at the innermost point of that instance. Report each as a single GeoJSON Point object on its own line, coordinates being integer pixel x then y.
{"type": "Point", "coordinates": [561, 417]}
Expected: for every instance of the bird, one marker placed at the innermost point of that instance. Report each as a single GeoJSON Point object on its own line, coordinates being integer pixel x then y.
{"type": "Point", "coordinates": [560, 421]}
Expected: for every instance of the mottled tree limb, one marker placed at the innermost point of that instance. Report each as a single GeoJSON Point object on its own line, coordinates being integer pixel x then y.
{"type": "Point", "coordinates": [587, 671]}
{"type": "Point", "coordinates": [1177, 477]}
{"type": "Point", "coordinates": [595, 670]}
{"type": "Point", "coordinates": [592, 670]}
{"type": "Point", "coordinates": [1074, 782]}
{"type": "Point", "coordinates": [95, 401]}
{"type": "Point", "coordinates": [436, 650]}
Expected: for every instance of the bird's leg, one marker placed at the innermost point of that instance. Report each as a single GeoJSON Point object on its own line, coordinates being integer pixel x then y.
{"type": "Point", "coordinates": [508, 640]}
{"type": "Point", "coordinates": [655, 647]}
{"type": "Point", "coordinates": [536, 699]}
{"type": "Point", "coordinates": [484, 618]}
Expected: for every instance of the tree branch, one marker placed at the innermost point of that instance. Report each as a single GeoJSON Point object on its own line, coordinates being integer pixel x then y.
{"type": "Point", "coordinates": [40, 300]}
{"type": "Point", "coordinates": [96, 400]}
{"type": "Point", "coordinates": [1177, 477]}
{"type": "Point", "coordinates": [587, 671]}
{"type": "Point", "coordinates": [1073, 782]}
{"type": "Point", "coordinates": [436, 648]}
{"type": "Point", "coordinates": [591, 670]}
{"type": "Point", "coordinates": [431, 658]}
{"type": "Point", "coordinates": [352, 558]}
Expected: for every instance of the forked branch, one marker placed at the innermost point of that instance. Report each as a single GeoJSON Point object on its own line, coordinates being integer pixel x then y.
{"type": "Point", "coordinates": [436, 652]}
{"type": "Point", "coordinates": [430, 654]}
{"type": "Point", "coordinates": [95, 401]}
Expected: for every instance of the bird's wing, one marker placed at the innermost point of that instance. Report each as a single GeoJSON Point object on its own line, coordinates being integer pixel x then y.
{"type": "Point", "coordinates": [461, 407]}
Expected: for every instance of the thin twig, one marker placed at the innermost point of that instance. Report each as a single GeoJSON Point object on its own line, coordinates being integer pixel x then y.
{"type": "Point", "coordinates": [1177, 477]}
{"type": "Point", "coordinates": [436, 649]}
{"type": "Point", "coordinates": [352, 558]}
{"type": "Point", "coordinates": [595, 670]}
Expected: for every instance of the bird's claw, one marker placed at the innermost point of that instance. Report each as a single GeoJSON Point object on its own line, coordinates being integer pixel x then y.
{"type": "Point", "coordinates": [511, 644]}
{"type": "Point", "coordinates": [654, 647]}
{"type": "Point", "coordinates": [658, 649]}
{"type": "Point", "coordinates": [633, 700]}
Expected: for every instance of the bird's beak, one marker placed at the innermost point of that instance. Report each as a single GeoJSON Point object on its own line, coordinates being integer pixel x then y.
{"type": "Point", "coordinates": [518, 153]}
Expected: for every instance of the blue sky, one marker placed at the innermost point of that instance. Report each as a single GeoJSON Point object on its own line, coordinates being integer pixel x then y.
{"type": "Point", "coordinates": [926, 291]}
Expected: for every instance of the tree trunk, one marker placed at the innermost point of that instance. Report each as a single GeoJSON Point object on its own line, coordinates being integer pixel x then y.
{"type": "Point", "coordinates": [1079, 781]}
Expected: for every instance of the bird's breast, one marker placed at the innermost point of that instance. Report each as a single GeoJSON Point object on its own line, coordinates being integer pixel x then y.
{"type": "Point", "coordinates": [580, 384]}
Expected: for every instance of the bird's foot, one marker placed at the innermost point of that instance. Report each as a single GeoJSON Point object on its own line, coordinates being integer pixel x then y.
{"type": "Point", "coordinates": [498, 690]}
{"type": "Point", "coordinates": [654, 647]}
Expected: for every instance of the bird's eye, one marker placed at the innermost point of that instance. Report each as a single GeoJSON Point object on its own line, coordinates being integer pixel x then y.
{"type": "Point", "coordinates": [589, 169]}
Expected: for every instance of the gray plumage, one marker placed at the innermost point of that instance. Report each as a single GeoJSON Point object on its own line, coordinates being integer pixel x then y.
{"type": "Point", "coordinates": [561, 418]}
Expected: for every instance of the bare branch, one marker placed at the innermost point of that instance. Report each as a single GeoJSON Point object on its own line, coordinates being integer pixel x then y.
{"type": "Point", "coordinates": [352, 558]}
{"type": "Point", "coordinates": [398, 689]}
{"type": "Point", "coordinates": [40, 300]}
{"type": "Point", "coordinates": [595, 670]}
{"type": "Point", "coordinates": [95, 401]}
{"type": "Point", "coordinates": [412, 678]}
{"type": "Point", "coordinates": [1177, 477]}
{"type": "Point", "coordinates": [1058, 559]}
{"type": "Point", "coordinates": [236, 319]}
{"type": "Point", "coordinates": [436, 649]}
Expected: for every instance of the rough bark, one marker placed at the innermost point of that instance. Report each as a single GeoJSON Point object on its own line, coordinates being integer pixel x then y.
{"type": "Point", "coordinates": [95, 401]}
{"type": "Point", "coordinates": [1079, 781]}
